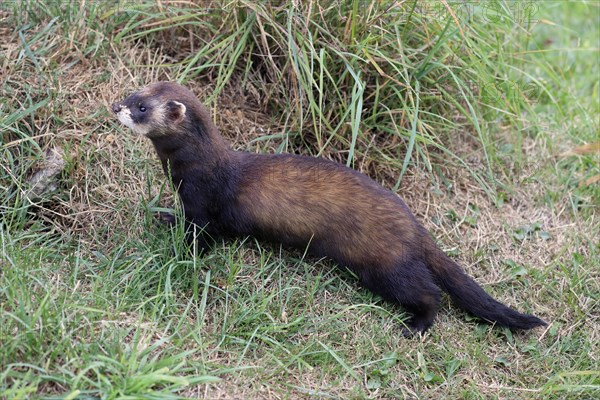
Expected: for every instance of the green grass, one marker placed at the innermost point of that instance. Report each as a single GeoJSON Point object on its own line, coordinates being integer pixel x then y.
{"type": "Point", "coordinates": [469, 116]}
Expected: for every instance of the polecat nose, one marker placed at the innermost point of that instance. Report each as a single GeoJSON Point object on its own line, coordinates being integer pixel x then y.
{"type": "Point", "coordinates": [116, 108]}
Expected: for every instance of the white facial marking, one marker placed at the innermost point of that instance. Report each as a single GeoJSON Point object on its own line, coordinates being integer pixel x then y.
{"type": "Point", "coordinates": [124, 117]}
{"type": "Point", "coordinates": [159, 111]}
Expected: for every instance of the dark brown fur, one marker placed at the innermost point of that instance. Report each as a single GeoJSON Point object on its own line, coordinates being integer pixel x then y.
{"type": "Point", "coordinates": [305, 202]}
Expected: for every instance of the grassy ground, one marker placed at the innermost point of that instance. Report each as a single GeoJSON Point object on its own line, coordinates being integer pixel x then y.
{"type": "Point", "coordinates": [477, 114]}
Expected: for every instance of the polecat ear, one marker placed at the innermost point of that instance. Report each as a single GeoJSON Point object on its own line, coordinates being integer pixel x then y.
{"type": "Point", "coordinates": [175, 110]}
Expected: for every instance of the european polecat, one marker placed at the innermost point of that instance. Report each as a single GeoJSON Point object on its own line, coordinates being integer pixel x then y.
{"type": "Point", "coordinates": [304, 202]}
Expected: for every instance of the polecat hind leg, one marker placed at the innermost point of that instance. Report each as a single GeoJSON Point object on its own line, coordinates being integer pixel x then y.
{"type": "Point", "coordinates": [165, 218]}
{"type": "Point", "coordinates": [411, 285]}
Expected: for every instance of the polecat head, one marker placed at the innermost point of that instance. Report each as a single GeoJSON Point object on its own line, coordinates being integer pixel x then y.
{"type": "Point", "coordinates": [158, 110]}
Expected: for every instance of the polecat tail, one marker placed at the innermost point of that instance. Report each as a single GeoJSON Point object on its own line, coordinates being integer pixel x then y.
{"type": "Point", "coordinates": [470, 296]}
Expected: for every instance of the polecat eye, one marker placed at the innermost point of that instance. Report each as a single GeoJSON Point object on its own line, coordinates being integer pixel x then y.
{"type": "Point", "coordinates": [142, 109]}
